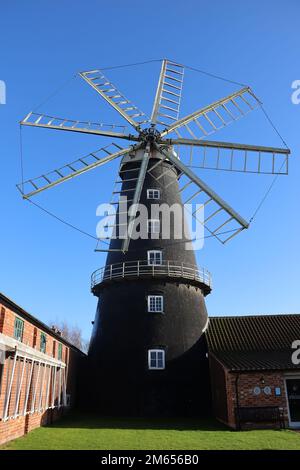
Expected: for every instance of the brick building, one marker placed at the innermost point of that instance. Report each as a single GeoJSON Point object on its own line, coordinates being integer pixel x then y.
{"type": "Point", "coordinates": [37, 372]}
{"type": "Point", "coordinates": [254, 381]}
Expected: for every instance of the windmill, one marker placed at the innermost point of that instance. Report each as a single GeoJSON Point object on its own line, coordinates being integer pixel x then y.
{"type": "Point", "coordinates": [147, 348]}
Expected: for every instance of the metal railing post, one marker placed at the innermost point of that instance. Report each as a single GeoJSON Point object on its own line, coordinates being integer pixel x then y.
{"type": "Point", "coordinates": [168, 267]}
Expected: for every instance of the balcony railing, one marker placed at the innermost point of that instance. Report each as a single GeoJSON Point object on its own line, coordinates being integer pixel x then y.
{"type": "Point", "coordinates": [141, 268]}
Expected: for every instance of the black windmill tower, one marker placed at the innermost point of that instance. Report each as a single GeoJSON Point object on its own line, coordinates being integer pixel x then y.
{"type": "Point", "coordinates": [147, 352]}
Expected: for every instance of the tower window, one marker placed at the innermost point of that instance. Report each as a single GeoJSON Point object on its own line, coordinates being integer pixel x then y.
{"type": "Point", "coordinates": [153, 226]}
{"type": "Point", "coordinates": [153, 194]}
{"type": "Point", "coordinates": [154, 257]}
{"type": "Point", "coordinates": [156, 359]}
{"type": "Point", "coordinates": [155, 303]}
{"type": "Point", "coordinates": [19, 329]}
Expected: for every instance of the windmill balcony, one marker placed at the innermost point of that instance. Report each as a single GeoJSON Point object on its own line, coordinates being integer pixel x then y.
{"type": "Point", "coordinates": [141, 269]}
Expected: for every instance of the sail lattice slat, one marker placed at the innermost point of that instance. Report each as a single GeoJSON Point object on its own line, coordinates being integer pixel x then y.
{"type": "Point", "coordinates": [53, 122]}
{"type": "Point", "coordinates": [214, 218]}
{"type": "Point", "coordinates": [243, 160]}
{"type": "Point", "coordinates": [168, 94]}
{"type": "Point", "coordinates": [121, 199]}
{"type": "Point", "coordinates": [215, 116]}
{"type": "Point", "coordinates": [70, 170]}
{"type": "Point", "coordinates": [218, 217]}
{"type": "Point", "coordinates": [115, 98]}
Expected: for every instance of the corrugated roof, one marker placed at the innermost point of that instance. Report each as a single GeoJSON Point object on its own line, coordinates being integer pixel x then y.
{"type": "Point", "coordinates": [255, 342]}
{"type": "Point", "coordinates": [256, 361]}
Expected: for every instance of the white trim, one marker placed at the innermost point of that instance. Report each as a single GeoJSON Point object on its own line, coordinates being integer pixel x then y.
{"type": "Point", "coordinates": [19, 389]}
{"type": "Point", "coordinates": [206, 325]}
{"type": "Point", "coordinates": [53, 387]}
{"type": "Point", "coordinates": [37, 386]}
{"type": "Point", "coordinates": [161, 297]}
{"type": "Point", "coordinates": [8, 390]}
{"type": "Point", "coordinates": [28, 388]}
{"type": "Point", "coordinates": [154, 252]}
{"type": "Point", "coordinates": [64, 388]}
{"type": "Point", "coordinates": [156, 351]}
{"type": "Point", "coordinates": [35, 389]}
{"type": "Point", "coordinates": [31, 353]}
{"type": "Point", "coordinates": [48, 388]}
{"type": "Point", "coordinates": [42, 388]}
{"type": "Point", "coordinates": [59, 388]}
{"type": "Point", "coordinates": [154, 191]}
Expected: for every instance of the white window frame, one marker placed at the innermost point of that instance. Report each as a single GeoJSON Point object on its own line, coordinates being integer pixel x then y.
{"type": "Point", "coordinates": [153, 223]}
{"type": "Point", "coordinates": [157, 260]}
{"type": "Point", "coordinates": [155, 297]}
{"type": "Point", "coordinates": [153, 193]}
{"type": "Point", "coordinates": [156, 352]}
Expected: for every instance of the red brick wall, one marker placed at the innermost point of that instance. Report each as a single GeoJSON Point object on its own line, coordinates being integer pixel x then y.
{"type": "Point", "coordinates": [31, 334]}
{"type": "Point", "coordinates": [22, 425]}
{"type": "Point", "coordinates": [246, 397]}
{"type": "Point", "coordinates": [16, 427]}
{"type": "Point", "coordinates": [227, 385]}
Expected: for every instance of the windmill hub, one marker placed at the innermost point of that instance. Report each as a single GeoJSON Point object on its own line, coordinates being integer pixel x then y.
{"type": "Point", "coordinates": [150, 135]}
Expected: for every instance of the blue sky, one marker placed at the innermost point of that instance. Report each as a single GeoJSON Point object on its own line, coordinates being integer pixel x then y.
{"type": "Point", "coordinates": [45, 266]}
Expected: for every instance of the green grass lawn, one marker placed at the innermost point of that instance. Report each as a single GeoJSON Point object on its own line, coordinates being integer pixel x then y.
{"type": "Point", "coordinates": [89, 432]}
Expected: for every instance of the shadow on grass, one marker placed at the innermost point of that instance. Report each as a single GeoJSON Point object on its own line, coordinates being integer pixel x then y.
{"type": "Point", "coordinates": [91, 421]}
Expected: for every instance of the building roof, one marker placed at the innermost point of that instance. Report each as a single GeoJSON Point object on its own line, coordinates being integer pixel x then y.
{"type": "Point", "coordinates": [28, 316]}
{"type": "Point", "coordinates": [258, 342]}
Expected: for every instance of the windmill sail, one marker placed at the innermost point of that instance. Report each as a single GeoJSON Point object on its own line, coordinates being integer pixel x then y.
{"type": "Point", "coordinates": [115, 98]}
{"type": "Point", "coordinates": [85, 127]}
{"type": "Point", "coordinates": [137, 196]}
{"type": "Point", "coordinates": [219, 217]}
{"type": "Point", "coordinates": [213, 117]}
{"type": "Point", "coordinates": [234, 157]}
{"type": "Point", "coordinates": [185, 134]}
{"type": "Point", "coordinates": [168, 94]}
{"type": "Point", "coordinates": [71, 170]}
